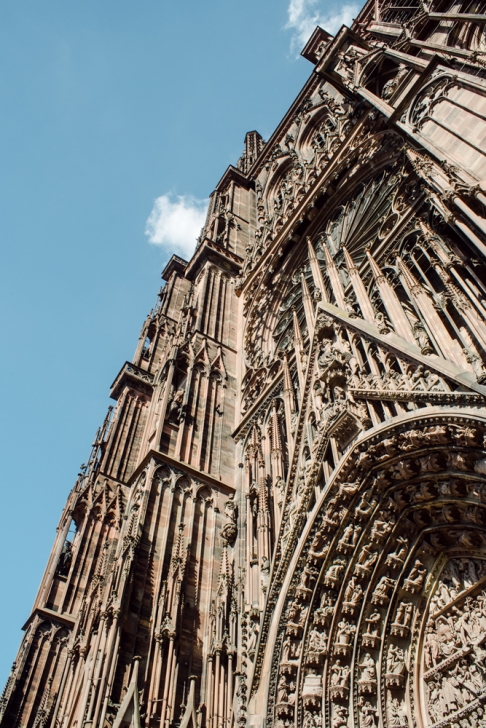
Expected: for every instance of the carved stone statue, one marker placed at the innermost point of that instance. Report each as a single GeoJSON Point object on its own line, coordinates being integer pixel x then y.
{"type": "Point", "coordinates": [382, 526]}
{"type": "Point", "coordinates": [477, 365]}
{"type": "Point", "coordinates": [349, 539]}
{"type": "Point", "coordinates": [381, 323]}
{"type": "Point", "coordinates": [65, 558]}
{"type": "Point", "coordinates": [395, 667]}
{"type": "Point", "coordinates": [397, 716]}
{"type": "Point", "coordinates": [339, 687]}
{"type": "Point", "coordinates": [366, 561]}
{"type": "Point", "coordinates": [367, 716]}
{"type": "Point", "coordinates": [282, 690]}
{"type": "Point", "coordinates": [344, 637]}
{"type": "Point", "coordinates": [367, 680]}
{"type": "Point", "coordinates": [416, 577]}
{"type": "Point", "coordinates": [319, 547]}
{"type": "Point", "coordinates": [340, 717]}
{"type": "Point", "coordinates": [381, 593]}
{"type": "Point", "coordinates": [175, 407]}
{"type": "Point", "coordinates": [421, 338]}
{"type": "Point", "coordinates": [316, 647]}
{"type": "Point", "coordinates": [371, 636]}
{"type": "Point", "coordinates": [279, 490]}
{"type": "Point", "coordinates": [352, 596]}
{"type": "Point", "coordinates": [253, 638]}
{"type": "Point", "coordinates": [230, 529]}
{"type": "Point", "coordinates": [403, 618]}
{"type": "Point", "coordinates": [364, 507]}
{"type": "Point", "coordinates": [334, 573]}
{"type": "Point", "coordinates": [286, 648]}
{"type": "Point", "coordinates": [323, 615]}
{"type": "Point", "coordinates": [396, 559]}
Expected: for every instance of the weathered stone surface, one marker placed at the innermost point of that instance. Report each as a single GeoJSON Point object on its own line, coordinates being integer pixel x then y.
{"type": "Point", "coordinates": [283, 520]}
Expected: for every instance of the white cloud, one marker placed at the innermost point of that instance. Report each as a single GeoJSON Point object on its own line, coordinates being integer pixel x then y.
{"type": "Point", "coordinates": [304, 15]}
{"type": "Point", "coordinates": [175, 223]}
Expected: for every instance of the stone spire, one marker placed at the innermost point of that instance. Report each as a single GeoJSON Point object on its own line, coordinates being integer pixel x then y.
{"type": "Point", "coordinates": [359, 288]}
{"type": "Point", "coordinates": [333, 273]}
{"type": "Point", "coordinates": [436, 328]}
{"type": "Point", "coordinates": [253, 146]}
{"type": "Point", "coordinates": [308, 305]}
{"type": "Point", "coordinates": [289, 399]}
{"type": "Point", "coordinates": [394, 309]}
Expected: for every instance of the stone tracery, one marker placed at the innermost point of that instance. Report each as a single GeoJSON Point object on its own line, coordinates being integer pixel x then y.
{"type": "Point", "coordinates": [283, 520]}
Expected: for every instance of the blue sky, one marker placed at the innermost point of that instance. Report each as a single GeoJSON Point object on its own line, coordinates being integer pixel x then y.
{"type": "Point", "coordinates": [112, 114]}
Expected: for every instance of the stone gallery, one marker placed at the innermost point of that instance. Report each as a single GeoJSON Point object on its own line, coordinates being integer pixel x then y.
{"type": "Point", "coordinates": [282, 521]}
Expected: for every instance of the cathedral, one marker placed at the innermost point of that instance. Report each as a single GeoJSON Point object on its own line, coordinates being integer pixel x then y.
{"type": "Point", "coordinates": [282, 521]}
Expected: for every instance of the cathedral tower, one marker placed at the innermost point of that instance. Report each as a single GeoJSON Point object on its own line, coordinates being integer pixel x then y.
{"type": "Point", "coordinates": [282, 521]}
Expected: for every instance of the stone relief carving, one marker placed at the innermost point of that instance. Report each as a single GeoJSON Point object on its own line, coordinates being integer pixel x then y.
{"type": "Point", "coordinates": [377, 565]}
{"type": "Point", "coordinates": [453, 656]}
{"type": "Point", "coordinates": [339, 683]}
{"type": "Point", "coordinates": [344, 637]}
{"type": "Point", "coordinates": [230, 529]}
{"type": "Point", "coordinates": [362, 421]}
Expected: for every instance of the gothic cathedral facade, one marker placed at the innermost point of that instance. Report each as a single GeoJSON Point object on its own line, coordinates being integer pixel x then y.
{"type": "Point", "coordinates": [283, 518]}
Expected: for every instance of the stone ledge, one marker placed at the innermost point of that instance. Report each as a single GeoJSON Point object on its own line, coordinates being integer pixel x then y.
{"type": "Point", "coordinates": [132, 376]}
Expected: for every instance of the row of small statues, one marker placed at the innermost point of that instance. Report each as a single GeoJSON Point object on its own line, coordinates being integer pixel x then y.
{"type": "Point", "coordinates": [368, 716]}
{"type": "Point", "coordinates": [420, 379]}
{"type": "Point", "coordinates": [381, 595]}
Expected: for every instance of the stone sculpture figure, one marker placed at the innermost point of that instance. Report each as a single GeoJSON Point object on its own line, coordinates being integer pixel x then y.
{"type": "Point", "coordinates": [339, 683]}
{"type": "Point", "coordinates": [65, 559]}
{"type": "Point", "coordinates": [349, 539]}
{"type": "Point", "coordinates": [364, 507]}
{"type": "Point", "coordinates": [382, 526]}
{"type": "Point", "coordinates": [324, 613]}
{"type": "Point", "coordinates": [334, 573]}
{"type": "Point", "coordinates": [282, 690]}
{"type": "Point", "coordinates": [381, 593]}
{"type": "Point", "coordinates": [286, 647]}
{"type": "Point", "coordinates": [368, 716]}
{"type": "Point", "coordinates": [320, 547]}
{"type": "Point", "coordinates": [352, 596]}
{"type": "Point", "coordinates": [344, 636]}
{"type": "Point", "coordinates": [316, 646]}
{"type": "Point", "coordinates": [373, 621]}
{"type": "Point", "coordinates": [253, 638]}
{"type": "Point", "coordinates": [340, 717]}
{"type": "Point", "coordinates": [416, 577]}
{"type": "Point", "coordinates": [397, 714]}
{"type": "Point", "coordinates": [279, 492]}
{"type": "Point", "coordinates": [397, 558]}
{"type": "Point", "coordinates": [403, 618]}
{"type": "Point", "coordinates": [366, 561]}
{"type": "Point", "coordinates": [371, 635]}
{"type": "Point", "coordinates": [395, 667]}
{"type": "Point", "coordinates": [175, 409]}
{"type": "Point", "coordinates": [367, 680]}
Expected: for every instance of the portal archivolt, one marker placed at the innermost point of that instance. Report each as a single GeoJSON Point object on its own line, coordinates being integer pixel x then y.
{"type": "Point", "coordinates": [383, 612]}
